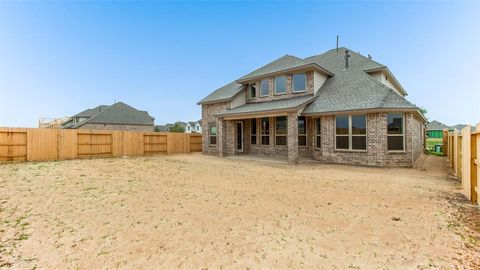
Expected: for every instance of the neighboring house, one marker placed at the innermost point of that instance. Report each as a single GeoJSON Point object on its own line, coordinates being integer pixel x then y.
{"type": "Point", "coordinates": [326, 107]}
{"type": "Point", "coordinates": [435, 129]}
{"type": "Point", "coordinates": [170, 127]}
{"type": "Point", "coordinates": [193, 127]}
{"type": "Point", "coordinates": [118, 116]}
{"type": "Point", "coordinates": [160, 128]}
{"type": "Point", "coordinates": [52, 122]}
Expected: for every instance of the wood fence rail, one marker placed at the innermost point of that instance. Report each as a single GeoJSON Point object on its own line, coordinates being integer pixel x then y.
{"type": "Point", "coordinates": [37, 144]}
{"type": "Point", "coordinates": [463, 151]}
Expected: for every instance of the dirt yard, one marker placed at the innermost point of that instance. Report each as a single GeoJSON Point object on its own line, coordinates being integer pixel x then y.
{"type": "Point", "coordinates": [199, 212]}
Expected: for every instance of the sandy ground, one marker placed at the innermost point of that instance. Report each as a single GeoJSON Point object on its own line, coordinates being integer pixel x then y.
{"type": "Point", "coordinates": [199, 212]}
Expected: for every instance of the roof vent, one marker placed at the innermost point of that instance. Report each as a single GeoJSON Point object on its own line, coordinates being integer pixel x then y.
{"type": "Point", "coordinates": [346, 58]}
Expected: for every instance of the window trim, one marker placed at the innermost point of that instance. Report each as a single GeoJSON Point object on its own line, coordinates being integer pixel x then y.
{"type": "Point", "coordinates": [397, 135]}
{"type": "Point", "coordinates": [350, 135]}
{"type": "Point", "coordinates": [306, 83]}
{"type": "Point", "coordinates": [281, 134]}
{"type": "Point", "coordinates": [210, 124]}
{"type": "Point", "coordinates": [315, 146]}
{"type": "Point", "coordinates": [275, 85]}
{"type": "Point", "coordinates": [261, 87]}
{"type": "Point", "coordinates": [261, 132]}
{"type": "Point", "coordinates": [303, 135]}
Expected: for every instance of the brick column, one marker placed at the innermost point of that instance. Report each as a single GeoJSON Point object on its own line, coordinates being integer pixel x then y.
{"type": "Point", "coordinates": [221, 137]}
{"type": "Point", "coordinates": [230, 137]}
{"type": "Point", "coordinates": [292, 138]}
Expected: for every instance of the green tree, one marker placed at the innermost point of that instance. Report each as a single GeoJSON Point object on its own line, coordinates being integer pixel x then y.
{"type": "Point", "coordinates": [177, 127]}
{"type": "Point", "coordinates": [424, 111]}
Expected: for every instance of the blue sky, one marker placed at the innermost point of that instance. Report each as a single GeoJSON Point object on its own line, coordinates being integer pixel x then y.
{"type": "Point", "coordinates": [59, 58]}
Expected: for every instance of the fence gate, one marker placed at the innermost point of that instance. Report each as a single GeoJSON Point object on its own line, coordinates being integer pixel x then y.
{"type": "Point", "coordinates": [154, 144]}
{"type": "Point", "coordinates": [13, 146]}
{"type": "Point", "coordinates": [94, 145]}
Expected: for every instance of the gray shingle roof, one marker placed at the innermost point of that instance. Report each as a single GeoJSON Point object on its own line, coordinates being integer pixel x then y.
{"type": "Point", "coordinates": [346, 90]}
{"type": "Point", "coordinates": [435, 125]}
{"type": "Point", "coordinates": [91, 112]}
{"type": "Point", "coordinates": [275, 105]}
{"type": "Point", "coordinates": [335, 61]}
{"type": "Point", "coordinates": [118, 113]}
{"type": "Point", "coordinates": [225, 92]}
{"type": "Point", "coordinates": [282, 63]}
{"type": "Point", "coordinates": [353, 89]}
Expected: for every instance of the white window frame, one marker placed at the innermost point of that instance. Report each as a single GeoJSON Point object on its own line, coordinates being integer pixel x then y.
{"type": "Point", "coordinates": [350, 135]}
{"type": "Point", "coordinates": [293, 84]}
{"type": "Point", "coordinates": [397, 135]}
{"type": "Point", "coordinates": [261, 88]}
{"type": "Point", "coordinates": [317, 134]}
{"type": "Point", "coordinates": [281, 134]}
{"type": "Point", "coordinates": [275, 85]}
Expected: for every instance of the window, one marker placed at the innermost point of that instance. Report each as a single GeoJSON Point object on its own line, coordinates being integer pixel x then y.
{"type": "Point", "coordinates": [264, 88]}
{"type": "Point", "coordinates": [299, 82]}
{"type": "Point", "coordinates": [318, 133]}
{"type": "Point", "coordinates": [188, 128]}
{"type": "Point", "coordinates": [281, 130]}
{"type": "Point", "coordinates": [302, 131]}
{"type": "Point", "coordinates": [198, 127]}
{"type": "Point", "coordinates": [351, 132]}
{"type": "Point", "coordinates": [265, 131]}
{"type": "Point", "coordinates": [212, 127]}
{"type": "Point", "coordinates": [280, 85]}
{"type": "Point", "coordinates": [253, 131]}
{"type": "Point", "coordinates": [252, 90]}
{"type": "Point", "coordinates": [395, 132]}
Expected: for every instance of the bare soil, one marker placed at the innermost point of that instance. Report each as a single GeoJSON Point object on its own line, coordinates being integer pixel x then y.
{"type": "Point", "coordinates": [202, 212]}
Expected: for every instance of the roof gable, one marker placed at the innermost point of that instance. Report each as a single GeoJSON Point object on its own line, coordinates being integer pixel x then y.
{"type": "Point", "coordinates": [355, 90]}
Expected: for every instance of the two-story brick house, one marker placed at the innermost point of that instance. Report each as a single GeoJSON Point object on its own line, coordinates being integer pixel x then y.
{"type": "Point", "coordinates": [327, 107]}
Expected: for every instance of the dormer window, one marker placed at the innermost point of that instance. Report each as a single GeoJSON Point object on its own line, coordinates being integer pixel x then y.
{"type": "Point", "coordinates": [252, 91]}
{"type": "Point", "coordinates": [264, 88]}
{"type": "Point", "coordinates": [280, 85]}
{"type": "Point", "coordinates": [299, 82]}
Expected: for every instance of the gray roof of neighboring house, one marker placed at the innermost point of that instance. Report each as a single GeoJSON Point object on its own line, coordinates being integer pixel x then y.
{"type": "Point", "coordinates": [355, 90]}
{"type": "Point", "coordinates": [91, 112]}
{"type": "Point", "coordinates": [461, 126]}
{"type": "Point", "coordinates": [225, 93]}
{"type": "Point", "coordinates": [436, 125]}
{"type": "Point", "coordinates": [275, 105]}
{"type": "Point", "coordinates": [118, 113]}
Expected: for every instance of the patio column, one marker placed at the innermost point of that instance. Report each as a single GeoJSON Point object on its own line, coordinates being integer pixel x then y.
{"type": "Point", "coordinates": [292, 138]}
{"type": "Point", "coordinates": [221, 137]}
{"type": "Point", "coordinates": [230, 137]}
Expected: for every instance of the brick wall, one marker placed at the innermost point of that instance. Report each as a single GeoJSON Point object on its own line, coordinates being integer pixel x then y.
{"type": "Point", "coordinates": [117, 127]}
{"type": "Point", "coordinates": [208, 115]}
{"type": "Point", "coordinates": [376, 153]}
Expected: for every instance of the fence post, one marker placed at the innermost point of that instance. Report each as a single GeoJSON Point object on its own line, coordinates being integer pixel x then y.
{"type": "Point", "coordinates": [465, 161]}
{"type": "Point", "coordinates": [473, 167]}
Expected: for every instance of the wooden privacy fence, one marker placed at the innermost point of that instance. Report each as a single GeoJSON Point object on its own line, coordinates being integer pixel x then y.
{"type": "Point", "coordinates": [36, 144]}
{"type": "Point", "coordinates": [463, 151]}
